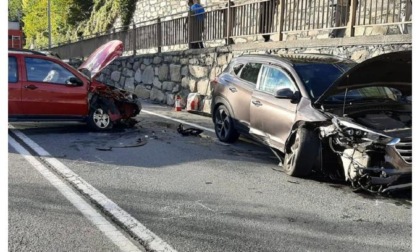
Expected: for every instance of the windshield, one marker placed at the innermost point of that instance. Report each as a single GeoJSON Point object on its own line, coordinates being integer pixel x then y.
{"type": "Point", "coordinates": [366, 94]}
{"type": "Point", "coordinates": [317, 77]}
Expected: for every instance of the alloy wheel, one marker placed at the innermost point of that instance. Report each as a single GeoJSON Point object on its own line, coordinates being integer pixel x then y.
{"type": "Point", "coordinates": [101, 119]}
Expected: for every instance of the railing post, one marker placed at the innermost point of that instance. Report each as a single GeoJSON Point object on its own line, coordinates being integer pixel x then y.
{"type": "Point", "coordinates": [228, 23]}
{"type": "Point", "coordinates": [189, 28]}
{"type": "Point", "coordinates": [68, 49]}
{"type": "Point", "coordinates": [134, 38]}
{"type": "Point", "coordinates": [282, 8]}
{"type": "Point", "coordinates": [159, 35]}
{"type": "Point", "coordinates": [352, 19]}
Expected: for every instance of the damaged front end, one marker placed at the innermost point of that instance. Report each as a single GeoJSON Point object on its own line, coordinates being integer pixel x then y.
{"type": "Point", "coordinates": [372, 161]}
{"type": "Point", "coordinates": [118, 103]}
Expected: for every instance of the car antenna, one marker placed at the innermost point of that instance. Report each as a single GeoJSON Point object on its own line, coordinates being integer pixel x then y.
{"type": "Point", "coordinates": [345, 96]}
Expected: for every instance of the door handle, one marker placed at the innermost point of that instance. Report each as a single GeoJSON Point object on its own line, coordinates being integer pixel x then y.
{"type": "Point", "coordinates": [31, 87]}
{"type": "Point", "coordinates": [256, 103]}
{"type": "Point", "coordinates": [233, 89]}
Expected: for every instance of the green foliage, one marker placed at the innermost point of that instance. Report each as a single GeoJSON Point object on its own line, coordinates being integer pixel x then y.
{"type": "Point", "coordinates": [127, 8]}
{"type": "Point", "coordinates": [79, 11]}
{"type": "Point", "coordinates": [102, 18]}
{"type": "Point", "coordinates": [35, 18]}
{"type": "Point", "coordinates": [71, 19]}
{"type": "Point", "coordinates": [15, 10]}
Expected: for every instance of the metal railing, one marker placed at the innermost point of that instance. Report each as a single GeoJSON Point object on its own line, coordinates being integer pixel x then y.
{"type": "Point", "coordinates": [280, 19]}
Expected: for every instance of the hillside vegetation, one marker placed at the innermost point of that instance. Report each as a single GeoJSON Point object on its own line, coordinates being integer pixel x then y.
{"type": "Point", "coordinates": [70, 19]}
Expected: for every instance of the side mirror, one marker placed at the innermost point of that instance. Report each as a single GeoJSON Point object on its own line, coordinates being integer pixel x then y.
{"type": "Point", "coordinates": [287, 93]}
{"type": "Point", "coordinates": [74, 81]}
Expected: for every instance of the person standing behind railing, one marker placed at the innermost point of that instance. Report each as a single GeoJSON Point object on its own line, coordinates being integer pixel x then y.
{"type": "Point", "coordinates": [340, 17]}
{"type": "Point", "coordinates": [267, 12]}
{"type": "Point", "coordinates": [198, 16]}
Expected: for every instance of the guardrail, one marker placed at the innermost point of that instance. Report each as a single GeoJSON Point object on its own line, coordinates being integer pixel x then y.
{"type": "Point", "coordinates": [280, 20]}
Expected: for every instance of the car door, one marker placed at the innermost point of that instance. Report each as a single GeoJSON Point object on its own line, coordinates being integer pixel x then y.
{"type": "Point", "coordinates": [272, 118]}
{"type": "Point", "coordinates": [45, 93]}
{"type": "Point", "coordinates": [241, 83]}
{"type": "Point", "coordinates": [15, 87]}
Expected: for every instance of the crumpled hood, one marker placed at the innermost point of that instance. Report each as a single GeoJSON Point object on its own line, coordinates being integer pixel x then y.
{"type": "Point", "coordinates": [102, 57]}
{"type": "Point", "coordinates": [391, 70]}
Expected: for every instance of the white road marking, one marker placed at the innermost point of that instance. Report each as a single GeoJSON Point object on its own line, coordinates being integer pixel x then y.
{"type": "Point", "coordinates": [148, 239]}
{"type": "Point", "coordinates": [88, 211]}
{"type": "Point", "coordinates": [178, 120]}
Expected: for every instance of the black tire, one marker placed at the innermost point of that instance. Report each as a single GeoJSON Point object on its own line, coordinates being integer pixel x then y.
{"type": "Point", "coordinates": [99, 119]}
{"type": "Point", "coordinates": [223, 125]}
{"type": "Point", "coordinates": [301, 153]}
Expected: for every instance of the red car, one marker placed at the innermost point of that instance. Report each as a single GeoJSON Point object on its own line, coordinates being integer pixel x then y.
{"type": "Point", "coordinates": [44, 88]}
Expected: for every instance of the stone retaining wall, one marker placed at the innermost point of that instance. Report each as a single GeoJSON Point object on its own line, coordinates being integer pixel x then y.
{"type": "Point", "coordinates": [160, 77]}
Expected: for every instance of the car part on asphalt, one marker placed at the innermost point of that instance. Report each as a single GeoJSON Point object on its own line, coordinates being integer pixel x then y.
{"type": "Point", "coordinates": [140, 142]}
{"type": "Point", "coordinates": [188, 131]}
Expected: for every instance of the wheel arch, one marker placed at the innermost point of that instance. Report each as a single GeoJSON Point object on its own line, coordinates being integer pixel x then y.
{"type": "Point", "coordinates": [293, 131]}
{"type": "Point", "coordinates": [219, 100]}
{"type": "Point", "coordinates": [96, 101]}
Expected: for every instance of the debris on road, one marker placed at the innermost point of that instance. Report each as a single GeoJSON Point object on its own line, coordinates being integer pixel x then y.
{"type": "Point", "coordinates": [188, 131]}
{"type": "Point", "coordinates": [140, 142]}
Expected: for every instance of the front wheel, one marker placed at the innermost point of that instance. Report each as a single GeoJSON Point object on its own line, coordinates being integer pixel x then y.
{"type": "Point", "coordinates": [301, 153]}
{"type": "Point", "coordinates": [99, 120]}
{"type": "Point", "coordinates": [223, 125]}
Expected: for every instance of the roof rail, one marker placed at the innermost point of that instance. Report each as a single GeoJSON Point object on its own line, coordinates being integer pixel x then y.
{"type": "Point", "coordinates": [26, 51]}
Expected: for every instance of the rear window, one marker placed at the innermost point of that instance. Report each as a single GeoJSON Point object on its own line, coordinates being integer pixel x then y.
{"type": "Point", "coordinates": [250, 72]}
{"type": "Point", "coordinates": [13, 77]}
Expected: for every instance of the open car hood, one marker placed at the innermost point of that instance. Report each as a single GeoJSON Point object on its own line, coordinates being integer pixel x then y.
{"type": "Point", "coordinates": [102, 56]}
{"type": "Point", "coordinates": [390, 70]}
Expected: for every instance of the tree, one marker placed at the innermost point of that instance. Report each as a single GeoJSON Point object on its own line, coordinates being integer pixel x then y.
{"type": "Point", "coordinates": [15, 10]}
{"type": "Point", "coordinates": [35, 18]}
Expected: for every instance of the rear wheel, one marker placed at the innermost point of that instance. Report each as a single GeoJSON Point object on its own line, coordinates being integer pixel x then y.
{"type": "Point", "coordinates": [223, 125]}
{"type": "Point", "coordinates": [99, 119]}
{"type": "Point", "coordinates": [301, 153]}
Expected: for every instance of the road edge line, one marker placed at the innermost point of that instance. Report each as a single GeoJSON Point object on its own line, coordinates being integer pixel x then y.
{"type": "Point", "coordinates": [139, 232]}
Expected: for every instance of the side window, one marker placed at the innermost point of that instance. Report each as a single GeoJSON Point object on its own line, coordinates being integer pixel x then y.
{"type": "Point", "coordinates": [273, 79]}
{"type": "Point", "coordinates": [236, 68]}
{"type": "Point", "coordinates": [41, 70]}
{"type": "Point", "coordinates": [250, 72]}
{"type": "Point", "coordinates": [13, 76]}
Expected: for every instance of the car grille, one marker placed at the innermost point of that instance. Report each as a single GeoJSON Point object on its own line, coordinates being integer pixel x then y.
{"type": "Point", "coordinates": [405, 147]}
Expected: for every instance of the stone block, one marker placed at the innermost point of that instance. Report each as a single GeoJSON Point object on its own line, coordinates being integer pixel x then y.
{"type": "Point", "coordinates": [157, 60]}
{"type": "Point", "coordinates": [148, 75]}
{"type": "Point", "coordinates": [198, 71]}
{"type": "Point", "coordinates": [142, 92]}
{"type": "Point", "coordinates": [115, 76]}
{"type": "Point", "coordinates": [163, 72]}
{"type": "Point", "coordinates": [184, 71]}
{"type": "Point", "coordinates": [170, 99]}
{"type": "Point", "coordinates": [157, 95]}
{"type": "Point", "coordinates": [157, 83]}
{"type": "Point", "coordinates": [183, 61]}
{"type": "Point", "coordinates": [129, 84]}
{"type": "Point", "coordinates": [203, 86]}
{"type": "Point", "coordinates": [175, 72]}
{"type": "Point", "coordinates": [137, 76]}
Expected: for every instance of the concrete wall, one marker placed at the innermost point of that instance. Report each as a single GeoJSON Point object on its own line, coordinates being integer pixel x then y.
{"type": "Point", "coordinates": [159, 77]}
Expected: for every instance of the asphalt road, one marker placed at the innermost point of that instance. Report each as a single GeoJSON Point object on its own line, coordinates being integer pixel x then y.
{"type": "Point", "coordinates": [197, 194]}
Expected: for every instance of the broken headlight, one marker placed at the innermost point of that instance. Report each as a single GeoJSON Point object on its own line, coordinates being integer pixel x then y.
{"type": "Point", "coordinates": [350, 132]}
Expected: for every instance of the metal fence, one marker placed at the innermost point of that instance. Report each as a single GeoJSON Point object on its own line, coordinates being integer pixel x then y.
{"type": "Point", "coordinates": [278, 20]}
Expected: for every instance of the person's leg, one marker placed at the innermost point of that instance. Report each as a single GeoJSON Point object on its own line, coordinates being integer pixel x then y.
{"type": "Point", "coordinates": [266, 38]}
